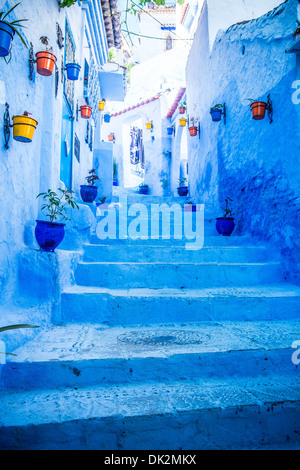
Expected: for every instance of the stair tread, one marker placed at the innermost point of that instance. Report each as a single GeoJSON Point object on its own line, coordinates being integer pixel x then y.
{"type": "Point", "coordinates": [78, 342]}
{"type": "Point", "coordinates": [184, 263]}
{"type": "Point", "coordinates": [146, 399]}
{"type": "Point", "coordinates": [271, 290]}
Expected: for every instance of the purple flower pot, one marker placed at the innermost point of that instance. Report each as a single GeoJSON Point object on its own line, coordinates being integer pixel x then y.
{"type": "Point", "coordinates": [49, 235]}
{"type": "Point", "coordinates": [225, 226]}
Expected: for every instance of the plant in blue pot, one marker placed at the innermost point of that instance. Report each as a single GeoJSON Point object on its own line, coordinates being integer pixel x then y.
{"type": "Point", "coordinates": [89, 191]}
{"type": "Point", "coordinates": [183, 189]}
{"type": "Point", "coordinates": [143, 188]}
{"type": "Point", "coordinates": [225, 225]}
{"type": "Point", "coordinates": [216, 112]}
{"type": "Point", "coordinates": [7, 32]}
{"type": "Point", "coordinates": [73, 70]}
{"type": "Point", "coordinates": [50, 233]}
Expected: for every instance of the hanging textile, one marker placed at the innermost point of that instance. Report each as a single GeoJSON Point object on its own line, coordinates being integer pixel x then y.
{"type": "Point", "coordinates": [136, 147]}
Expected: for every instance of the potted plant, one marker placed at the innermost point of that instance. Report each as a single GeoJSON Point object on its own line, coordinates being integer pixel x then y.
{"type": "Point", "coordinates": [115, 173]}
{"type": "Point", "coordinates": [49, 234]}
{"type": "Point", "coordinates": [107, 117]}
{"type": "Point", "coordinates": [182, 122]}
{"type": "Point", "coordinates": [170, 130]}
{"type": "Point", "coordinates": [216, 112]}
{"type": "Point", "coordinates": [225, 225]}
{"type": "Point", "coordinates": [45, 60]}
{"type": "Point", "coordinates": [111, 137]}
{"type": "Point", "coordinates": [183, 189]}
{"type": "Point", "coordinates": [182, 107]}
{"type": "Point", "coordinates": [24, 127]}
{"type": "Point", "coordinates": [149, 126]}
{"type": "Point", "coordinates": [193, 129]}
{"type": "Point", "coordinates": [143, 188]}
{"type": "Point", "coordinates": [73, 70]}
{"type": "Point", "coordinates": [14, 327]}
{"type": "Point", "coordinates": [85, 111]}
{"type": "Point", "coordinates": [7, 31]}
{"type": "Point", "coordinates": [101, 105]}
{"type": "Point", "coordinates": [258, 109]}
{"type": "Point", "coordinates": [89, 192]}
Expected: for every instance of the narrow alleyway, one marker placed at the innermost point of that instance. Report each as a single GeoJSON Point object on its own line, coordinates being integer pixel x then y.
{"type": "Point", "coordinates": [159, 347]}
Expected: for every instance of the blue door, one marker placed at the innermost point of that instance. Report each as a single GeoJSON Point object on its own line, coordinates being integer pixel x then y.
{"type": "Point", "coordinates": [66, 162]}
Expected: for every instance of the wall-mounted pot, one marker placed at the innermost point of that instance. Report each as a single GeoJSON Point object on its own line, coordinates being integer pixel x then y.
{"type": "Point", "coordinates": [23, 128]}
{"type": "Point", "coordinates": [6, 36]}
{"type": "Point", "coordinates": [86, 112]}
{"type": "Point", "coordinates": [73, 71]}
{"type": "Point", "coordinates": [258, 109]}
{"type": "Point", "coordinates": [45, 62]}
{"type": "Point", "coordinates": [193, 131]}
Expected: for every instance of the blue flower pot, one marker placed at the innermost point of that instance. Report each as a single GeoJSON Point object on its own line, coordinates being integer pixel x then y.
{"type": "Point", "coordinates": [225, 226]}
{"type": "Point", "coordinates": [106, 117]}
{"type": "Point", "coordinates": [144, 190]}
{"type": "Point", "coordinates": [73, 71]}
{"type": "Point", "coordinates": [49, 234]}
{"type": "Point", "coordinates": [216, 115]}
{"type": "Point", "coordinates": [170, 130]}
{"type": "Point", "coordinates": [183, 190]}
{"type": "Point", "coordinates": [88, 193]}
{"type": "Point", "coordinates": [115, 182]}
{"type": "Point", "coordinates": [6, 36]}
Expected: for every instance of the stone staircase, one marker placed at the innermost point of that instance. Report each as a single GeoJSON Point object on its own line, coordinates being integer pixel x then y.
{"type": "Point", "coordinates": [162, 348]}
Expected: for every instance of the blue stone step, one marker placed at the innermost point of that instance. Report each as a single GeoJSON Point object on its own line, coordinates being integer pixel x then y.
{"type": "Point", "coordinates": [146, 306]}
{"type": "Point", "coordinates": [159, 254]}
{"type": "Point", "coordinates": [209, 241]}
{"type": "Point", "coordinates": [176, 275]}
{"type": "Point", "coordinates": [227, 413]}
{"type": "Point", "coordinates": [81, 355]}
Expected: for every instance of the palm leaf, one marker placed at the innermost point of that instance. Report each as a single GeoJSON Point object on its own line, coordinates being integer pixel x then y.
{"type": "Point", "coordinates": [16, 327]}
{"type": "Point", "coordinates": [21, 37]}
{"type": "Point", "coordinates": [9, 11]}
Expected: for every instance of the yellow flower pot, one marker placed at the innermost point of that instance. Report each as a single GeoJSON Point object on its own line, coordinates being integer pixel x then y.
{"type": "Point", "coordinates": [101, 105]}
{"type": "Point", "coordinates": [182, 122]}
{"type": "Point", "coordinates": [24, 127]}
{"type": "Point", "coordinates": [149, 125]}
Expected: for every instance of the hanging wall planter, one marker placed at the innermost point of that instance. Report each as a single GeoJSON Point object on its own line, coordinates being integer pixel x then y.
{"type": "Point", "coordinates": [182, 122]}
{"type": "Point", "coordinates": [182, 108]}
{"type": "Point", "coordinates": [259, 108]}
{"type": "Point", "coordinates": [86, 111]}
{"type": "Point", "coordinates": [217, 112]}
{"type": "Point", "coordinates": [193, 131]}
{"type": "Point", "coordinates": [101, 105]}
{"type": "Point", "coordinates": [111, 137]}
{"type": "Point", "coordinates": [170, 130]}
{"type": "Point", "coordinates": [107, 117]}
{"type": "Point", "coordinates": [23, 128]}
{"type": "Point", "coordinates": [149, 126]}
{"type": "Point", "coordinates": [73, 70]}
{"type": "Point", "coordinates": [7, 32]}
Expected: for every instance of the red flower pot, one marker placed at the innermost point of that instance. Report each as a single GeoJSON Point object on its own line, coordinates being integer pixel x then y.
{"type": "Point", "coordinates": [45, 62]}
{"type": "Point", "coordinates": [86, 112]}
{"type": "Point", "coordinates": [111, 137]}
{"type": "Point", "coordinates": [193, 130]}
{"type": "Point", "coordinates": [258, 109]}
{"type": "Point", "coordinates": [181, 109]}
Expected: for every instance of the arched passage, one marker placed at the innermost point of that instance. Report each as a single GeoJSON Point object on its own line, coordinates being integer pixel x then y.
{"type": "Point", "coordinates": [179, 165]}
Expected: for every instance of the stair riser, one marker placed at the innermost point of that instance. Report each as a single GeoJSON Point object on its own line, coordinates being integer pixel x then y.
{"type": "Point", "coordinates": [175, 276]}
{"type": "Point", "coordinates": [247, 427]}
{"type": "Point", "coordinates": [251, 363]}
{"type": "Point", "coordinates": [160, 254]}
{"type": "Point", "coordinates": [122, 310]}
{"type": "Point", "coordinates": [210, 241]}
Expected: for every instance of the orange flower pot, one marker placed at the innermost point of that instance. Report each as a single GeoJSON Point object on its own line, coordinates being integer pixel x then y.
{"type": "Point", "coordinates": [111, 137]}
{"type": "Point", "coordinates": [86, 112]}
{"type": "Point", "coordinates": [181, 109]}
{"type": "Point", "coordinates": [193, 130]}
{"type": "Point", "coordinates": [258, 109]}
{"type": "Point", "coordinates": [45, 62]}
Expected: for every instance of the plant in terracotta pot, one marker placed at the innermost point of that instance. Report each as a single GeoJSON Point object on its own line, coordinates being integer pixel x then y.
{"type": "Point", "coordinates": [7, 31]}
{"type": "Point", "coordinates": [45, 60]}
{"type": "Point", "coordinates": [193, 129]}
{"type": "Point", "coordinates": [111, 137]}
{"type": "Point", "coordinates": [49, 234]}
{"type": "Point", "coordinates": [89, 191]}
{"type": "Point", "coordinates": [182, 107]}
{"type": "Point", "coordinates": [86, 111]}
{"type": "Point", "coordinates": [225, 225]}
{"type": "Point", "coordinates": [183, 189]}
{"type": "Point", "coordinates": [258, 109]}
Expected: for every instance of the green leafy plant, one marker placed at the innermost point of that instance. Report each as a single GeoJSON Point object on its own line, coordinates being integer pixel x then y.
{"type": "Point", "coordinates": [92, 178]}
{"type": "Point", "coordinates": [143, 185]}
{"type": "Point", "coordinates": [252, 101]}
{"type": "Point", "coordinates": [55, 205]}
{"type": "Point", "coordinates": [227, 210]}
{"type": "Point", "coordinates": [217, 106]}
{"type": "Point", "coordinates": [14, 25]}
{"type": "Point", "coordinates": [182, 181]}
{"type": "Point", "coordinates": [14, 327]}
{"type": "Point", "coordinates": [102, 200]}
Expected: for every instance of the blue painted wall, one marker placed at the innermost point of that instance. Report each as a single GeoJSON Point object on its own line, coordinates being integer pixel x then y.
{"type": "Point", "coordinates": [253, 162]}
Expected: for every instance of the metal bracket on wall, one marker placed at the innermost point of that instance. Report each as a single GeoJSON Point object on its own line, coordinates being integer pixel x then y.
{"type": "Point", "coordinates": [7, 126]}
{"type": "Point", "coordinates": [224, 112]}
{"type": "Point", "coordinates": [56, 80]}
{"type": "Point", "coordinates": [31, 62]}
{"type": "Point", "coordinates": [270, 109]}
{"type": "Point", "coordinates": [77, 111]}
{"type": "Point", "coordinates": [199, 130]}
